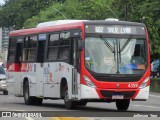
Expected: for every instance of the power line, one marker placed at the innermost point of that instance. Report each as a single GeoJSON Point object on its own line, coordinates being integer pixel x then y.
{"type": "Point", "coordinates": [112, 12]}
{"type": "Point", "coordinates": [60, 13]}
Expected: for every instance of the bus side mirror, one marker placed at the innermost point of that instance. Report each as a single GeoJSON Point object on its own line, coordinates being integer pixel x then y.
{"type": "Point", "coordinates": [80, 45]}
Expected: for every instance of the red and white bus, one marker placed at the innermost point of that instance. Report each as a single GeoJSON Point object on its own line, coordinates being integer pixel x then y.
{"type": "Point", "coordinates": [80, 61]}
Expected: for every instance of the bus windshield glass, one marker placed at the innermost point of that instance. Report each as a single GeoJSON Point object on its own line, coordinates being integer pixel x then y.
{"type": "Point", "coordinates": [115, 55]}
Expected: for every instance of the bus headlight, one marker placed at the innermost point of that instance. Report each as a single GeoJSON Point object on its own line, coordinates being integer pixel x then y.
{"type": "Point", "coordinates": [144, 83]}
{"type": "Point", "coordinates": [88, 82]}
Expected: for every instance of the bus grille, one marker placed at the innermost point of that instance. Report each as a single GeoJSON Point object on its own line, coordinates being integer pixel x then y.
{"type": "Point", "coordinates": [108, 94]}
{"type": "Point", "coordinates": [117, 79]}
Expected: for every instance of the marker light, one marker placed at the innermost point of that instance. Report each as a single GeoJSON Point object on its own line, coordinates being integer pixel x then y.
{"type": "Point", "coordinates": [88, 82]}
{"type": "Point", "coordinates": [111, 19]}
{"type": "Point", "coordinates": [144, 83]}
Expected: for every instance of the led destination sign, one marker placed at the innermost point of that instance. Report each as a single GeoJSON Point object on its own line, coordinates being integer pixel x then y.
{"type": "Point", "coordinates": [115, 29]}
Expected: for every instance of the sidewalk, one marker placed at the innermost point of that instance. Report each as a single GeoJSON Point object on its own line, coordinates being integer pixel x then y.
{"type": "Point", "coordinates": [154, 93]}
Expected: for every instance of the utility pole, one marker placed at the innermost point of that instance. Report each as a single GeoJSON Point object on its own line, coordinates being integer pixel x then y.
{"type": "Point", "coordinates": [126, 12]}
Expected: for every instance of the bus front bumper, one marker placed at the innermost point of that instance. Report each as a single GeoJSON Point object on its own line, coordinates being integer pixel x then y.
{"type": "Point", "coordinates": [97, 93]}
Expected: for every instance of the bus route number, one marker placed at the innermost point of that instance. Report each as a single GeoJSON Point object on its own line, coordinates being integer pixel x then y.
{"type": "Point", "coordinates": [132, 85]}
{"type": "Point", "coordinates": [99, 29]}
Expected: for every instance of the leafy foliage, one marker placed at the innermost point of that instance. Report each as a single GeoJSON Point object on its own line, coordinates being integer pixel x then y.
{"type": "Point", "coordinates": [146, 11]}
{"type": "Point", "coordinates": [15, 12]}
{"type": "Point", "coordinates": [72, 9]}
{"type": "Point", "coordinates": [28, 13]}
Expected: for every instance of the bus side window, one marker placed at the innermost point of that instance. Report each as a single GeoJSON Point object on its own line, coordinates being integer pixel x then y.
{"type": "Point", "coordinates": [31, 54]}
{"type": "Point", "coordinates": [25, 50]}
{"type": "Point", "coordinates": [64, 53]}
{"type": "Point", "coordinates": [52, 46]}
{"type": "Point", "coordinates": [137, 58]}
{"type": "Point", "coordinates": [30, 48]}
{"type": "Point", "coordinates": [64, 46]}
{"type": "Point", "coordinates": [24, 55]}
{"type": "Point", "coordinates": [74, 52]}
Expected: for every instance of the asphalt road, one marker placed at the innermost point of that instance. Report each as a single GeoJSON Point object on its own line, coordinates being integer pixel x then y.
{"type": "Point", "coordinates": [93, 111]}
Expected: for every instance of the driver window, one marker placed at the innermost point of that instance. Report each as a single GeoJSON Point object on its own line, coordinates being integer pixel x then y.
{"type": "Point", "coordinates": [137, 58]}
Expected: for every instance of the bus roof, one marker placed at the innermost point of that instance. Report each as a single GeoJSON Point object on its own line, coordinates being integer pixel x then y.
{"type": "Point", "coordinates": [68, 24]}
{"type": "Point", "coordinates": [57, 22]}
{"type": "Point", "coordinates": [45, 29]}
{"type": "Point", "coordinates": [106, 22]}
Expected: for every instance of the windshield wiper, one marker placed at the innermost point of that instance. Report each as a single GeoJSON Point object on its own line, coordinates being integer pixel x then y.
{"type": "Point", "coordinates": [107, 44]}
{"type": "Point", "coordinates": [126, 43]}
{"type": "Point", "coordinates": [119, 51]}
{"type": "Point", "coordinates": [112, 49]}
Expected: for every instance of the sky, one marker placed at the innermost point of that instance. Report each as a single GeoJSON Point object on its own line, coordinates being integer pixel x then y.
{"type": "Point", "coordinates": [1, 1]}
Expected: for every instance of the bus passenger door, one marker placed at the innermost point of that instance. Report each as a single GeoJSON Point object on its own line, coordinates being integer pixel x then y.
{"type": "Point", "coordinates": [75, 59]}
{"type": "Point", "coordinates": [39, 67]}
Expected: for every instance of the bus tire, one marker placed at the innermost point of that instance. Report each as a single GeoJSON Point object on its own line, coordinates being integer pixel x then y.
{"type": "Point", "coordinates": [27, 98]}
{"type": "Point", "coordinates": [5, 92]}
{"type": "Point", "coordinates": [122, 105]}
{"type": "Point", "coordinates": [37, 101]}
{"type": "Point", "coordinates": [69, 104]}
{"type": "Point", "coordinates": [82, 103]}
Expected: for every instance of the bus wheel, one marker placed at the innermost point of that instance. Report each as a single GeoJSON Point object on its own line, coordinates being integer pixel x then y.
{"type": "Point", "coordinates": [27, 99]}
{"type": "Point", "coordinates": [37, 101]}
{"type": "Point", "coordinates": [69, 104]}
{"type": "Point", "coordinates": [5, 92]}
{"type": "Point", "coordinates": [82, 103]}
{"type": "Point", "coordinates": [122, 105]}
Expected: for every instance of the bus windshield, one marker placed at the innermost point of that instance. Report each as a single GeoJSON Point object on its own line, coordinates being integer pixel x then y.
{"type": "Point", "coordinates": [115, 55]}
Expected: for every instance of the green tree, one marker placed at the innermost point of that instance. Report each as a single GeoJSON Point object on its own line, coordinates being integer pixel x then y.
{"type": "Point", "coordinates": [15, 12]}
{"type": "Point", "coordinates": [73, 9]}
{"type": "Point", "coordinates": [146, 11]}
{"type": "Point", "coordinates": [150, 11]}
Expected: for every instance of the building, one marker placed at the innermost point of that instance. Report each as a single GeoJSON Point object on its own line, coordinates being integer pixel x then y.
{"type": "Point", "coordinates": [1, 44]}
{"type": "Point", "coordinates": [0, 39]}
{"type": "Point", "coordinates": [4, 38]}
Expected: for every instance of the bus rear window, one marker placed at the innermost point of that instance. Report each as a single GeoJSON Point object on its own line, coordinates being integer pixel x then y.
{"type": "Point", "coordinates": [11, 49]}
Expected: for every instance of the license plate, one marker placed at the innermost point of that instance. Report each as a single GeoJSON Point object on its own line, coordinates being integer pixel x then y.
{"type": "Point", "coordinates": [117, 96]}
